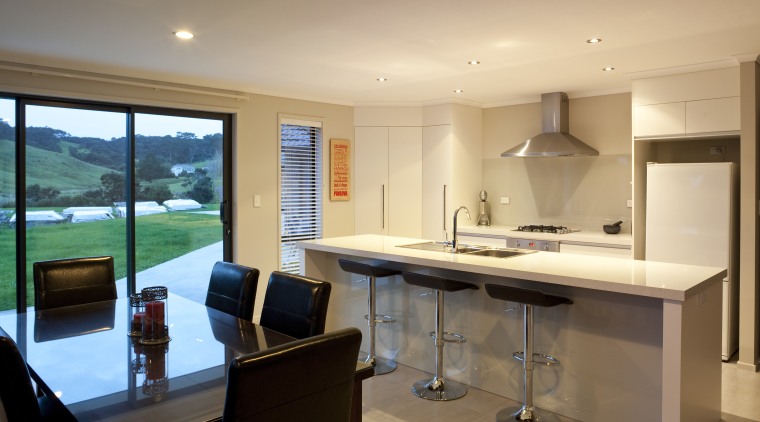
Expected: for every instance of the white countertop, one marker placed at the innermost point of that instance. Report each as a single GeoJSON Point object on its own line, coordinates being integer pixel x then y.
{"type": "Point", "coordinates": [643, 278]}
{"type": "Point", "coordinates": [590, 237]}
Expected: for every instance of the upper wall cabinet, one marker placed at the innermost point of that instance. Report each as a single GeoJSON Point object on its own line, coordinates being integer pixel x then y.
{"type": "Point", "coordinates": [687, 105]}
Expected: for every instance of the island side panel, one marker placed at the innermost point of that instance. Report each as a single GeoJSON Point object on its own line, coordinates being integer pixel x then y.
{"type": "Point", "coordinates": [692, 357]}
{"type": "Point", "coordinates": [610, 344]}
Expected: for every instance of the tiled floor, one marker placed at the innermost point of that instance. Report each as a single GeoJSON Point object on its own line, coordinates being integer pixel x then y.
{"type": "Point", "coordinates": [387, 398]}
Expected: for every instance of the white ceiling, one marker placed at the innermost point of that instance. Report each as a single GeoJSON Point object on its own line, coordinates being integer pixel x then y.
{"type": "Point", "coordinates": [333, 50]}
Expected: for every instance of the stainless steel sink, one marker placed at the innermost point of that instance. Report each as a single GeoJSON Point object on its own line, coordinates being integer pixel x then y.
{"type": "Point", "coordinates": [469, 249]}
{"type": "Point", "coordinates": [500, 253]}
{"type": "Point", "coordinates": [441, 247]}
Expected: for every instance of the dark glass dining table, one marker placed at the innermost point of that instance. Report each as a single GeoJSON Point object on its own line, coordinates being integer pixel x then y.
{"type": "Point", "coordinates": [85, 355]}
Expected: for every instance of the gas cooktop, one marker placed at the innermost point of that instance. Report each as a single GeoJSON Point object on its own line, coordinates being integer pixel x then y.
{"type": "Point", "coordinates": [546, 229]}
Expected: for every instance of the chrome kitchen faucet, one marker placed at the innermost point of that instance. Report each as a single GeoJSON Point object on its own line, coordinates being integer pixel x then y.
{"type": "Point", "coordinates": [454, 243]}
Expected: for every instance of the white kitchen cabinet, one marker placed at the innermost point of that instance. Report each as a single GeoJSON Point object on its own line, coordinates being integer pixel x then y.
{"type": "Point", "coordinates": [436, 181]}
{"type": "Point", "coordinates": [687, 117]}
{"type": "Point", "coordinates": [659, 119]}
{"type": "Point", "coordinates": [388, 181]}
{"type": "Point", "coordinates": [370, 179]}
{"type": "Point", "coordinates": [715, 115]}
{"type": "Point", "coordinates": [451, 167]}
{"type": "Point", "coordinates": [405, 182]}
{"type": "Point", "coordinates": [431, 164]}
{"type": "Point", "coordinates": [596, 250]}
{"type": "Point", "coordinates": [698, 103]}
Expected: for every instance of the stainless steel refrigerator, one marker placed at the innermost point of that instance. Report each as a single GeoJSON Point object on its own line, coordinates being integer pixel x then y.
{"type": "Point", "coordinates": [692, 218]}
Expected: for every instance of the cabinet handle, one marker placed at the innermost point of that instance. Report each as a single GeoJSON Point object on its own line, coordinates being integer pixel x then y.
{"type": "Point", "coordinates": [444, 207]}
{"type": "Point", "coordinates": [382, 201]}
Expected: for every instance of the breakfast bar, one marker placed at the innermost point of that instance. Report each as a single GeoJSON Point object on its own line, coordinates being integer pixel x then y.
{"type": "Point", "coordinates": [640, 342]}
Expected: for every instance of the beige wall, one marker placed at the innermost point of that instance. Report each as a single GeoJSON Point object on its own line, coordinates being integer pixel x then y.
{"type": "Point", "coordinates": [582, 192]}
{"type": "Point", "coordinates": [255, 152]}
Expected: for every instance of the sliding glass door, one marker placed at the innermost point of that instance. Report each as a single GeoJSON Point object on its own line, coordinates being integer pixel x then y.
{"type": "Point", "coordinates": [7, 203]}
{"type": "Point", "coordinates": [143, 185]}
{"type": "Point", "coordinates": [179, 185]}
{"type": "Point", "coordinates": [75, 165]}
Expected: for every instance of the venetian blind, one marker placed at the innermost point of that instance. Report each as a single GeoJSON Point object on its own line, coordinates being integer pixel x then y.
{"type": "Point", "coordinates": [300, 188]}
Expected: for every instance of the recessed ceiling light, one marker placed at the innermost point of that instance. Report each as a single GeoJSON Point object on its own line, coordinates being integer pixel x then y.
{"type": "Point", "coordinates": [381, 79]}
{"type": "Point", "coordinates": [607, 69]}
{"type": "Point", "coordinates": [185, 35]}
{"type": "Point", "coordinates": [594, 40]}
{"type": "Point", "coordinates": [458, 91]}
{"type": "Point", "coordinates": [473, 62]}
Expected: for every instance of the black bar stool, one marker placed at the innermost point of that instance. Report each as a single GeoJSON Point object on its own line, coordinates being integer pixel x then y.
{"type": "Point", "coordinates": [372, 272]}
{"type": "Point", "coordinates": [529, 298]}
{"type": "Point", "coordinates": [437, 388]}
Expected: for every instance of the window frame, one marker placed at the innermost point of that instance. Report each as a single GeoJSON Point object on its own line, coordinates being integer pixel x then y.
{"type": "Point", "coordinates": [315, 123]}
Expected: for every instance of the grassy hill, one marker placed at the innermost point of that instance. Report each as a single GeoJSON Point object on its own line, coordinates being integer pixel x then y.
{"type": "Point", "coordinates": [48, 168]}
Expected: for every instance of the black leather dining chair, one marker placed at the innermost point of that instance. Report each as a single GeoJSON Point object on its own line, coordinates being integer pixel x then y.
{"type": "Point", "coordinates": [295, 305]}
{"type": "Point", "coordinates": [232, 289]}
{"type": "Point", "coordinates": [73, 281]}
{"type": "Point", "coordinates": [19, 400]}
{"type": "Point", "coordinates": [305, 380]}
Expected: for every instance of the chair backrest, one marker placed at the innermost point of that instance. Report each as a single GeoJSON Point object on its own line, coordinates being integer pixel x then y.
{"type": "Point", "coordinates": [295, 305]}
{"type": "Point", "coordinates": [305, 380]}
{"type": "Point", "coordinates": [16, 392]}
{"type": "Point", "coordinates": [73, 281]}
{"type": "Point", "coordinates": [232, 289]}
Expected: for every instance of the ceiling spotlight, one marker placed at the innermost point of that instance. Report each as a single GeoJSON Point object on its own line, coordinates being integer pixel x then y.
{"type": "Point", "coordinates": [185, 35]}
{"type": "Point", "coordinates": [458, 91]}
{"type": "Point", "coordinates": [473, 62]}
{"type": "Point", "coordinates": [594, 40]}
{"type": "Point", "coordinates": [381, 79]}
{"type": "Point", "coordinates": [607, 69]}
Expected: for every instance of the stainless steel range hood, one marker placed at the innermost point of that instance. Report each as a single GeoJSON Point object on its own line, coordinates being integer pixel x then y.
{"type": "Point", "coordinates": [554, 140]}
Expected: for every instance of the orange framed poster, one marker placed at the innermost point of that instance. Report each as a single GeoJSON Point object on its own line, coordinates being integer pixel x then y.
{"type": "Point", "coordinates": [340, 170]}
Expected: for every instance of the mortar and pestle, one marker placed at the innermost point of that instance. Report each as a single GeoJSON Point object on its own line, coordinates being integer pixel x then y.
{"type": "Point", "coordinates": [612, 228]}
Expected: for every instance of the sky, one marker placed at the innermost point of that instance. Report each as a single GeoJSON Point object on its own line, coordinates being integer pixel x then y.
{"type": "Point", "coordinates": [107, 125]}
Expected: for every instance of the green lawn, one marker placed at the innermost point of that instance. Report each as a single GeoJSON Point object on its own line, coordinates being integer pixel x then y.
{"type": "Point", "coordinates": [159, 238]}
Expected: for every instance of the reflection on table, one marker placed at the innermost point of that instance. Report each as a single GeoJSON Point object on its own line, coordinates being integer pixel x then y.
{"type": "Point", "coordinates": [84, 353]}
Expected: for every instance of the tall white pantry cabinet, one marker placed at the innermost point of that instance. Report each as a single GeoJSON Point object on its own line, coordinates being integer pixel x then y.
{"type": "Point", "coordinates": [414, 166]}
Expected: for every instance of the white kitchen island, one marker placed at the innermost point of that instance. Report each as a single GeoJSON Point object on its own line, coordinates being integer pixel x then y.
{"type": "Point", "coordinates": [641, 340]}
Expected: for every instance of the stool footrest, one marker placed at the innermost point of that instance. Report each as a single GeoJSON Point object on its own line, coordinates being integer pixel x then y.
{"type": "Point", "coordinates": [543, 359]}
{"type": "Point", "coordinates": [458, 338]}
{"type": "Point", "coordinates": [382, 319]}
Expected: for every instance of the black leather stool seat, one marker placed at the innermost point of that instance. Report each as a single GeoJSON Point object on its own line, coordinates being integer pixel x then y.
{"type": "Point", "coordinates": [437, 283]}
{"type": "Point", "coordinates": [375, 269]}
{"type": "Point", "coordinates": [526, 296]}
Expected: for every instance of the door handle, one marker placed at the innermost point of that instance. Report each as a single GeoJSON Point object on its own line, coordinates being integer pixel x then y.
{"type": "Point", "coordinates": [382, 202]}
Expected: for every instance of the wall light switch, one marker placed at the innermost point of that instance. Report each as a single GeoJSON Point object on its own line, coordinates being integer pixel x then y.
{"type": "Point", "coordinates": [256, 201]}
{"type": "Point", "coordinates": [629, 203]}
{"type": "Point", "coordinates": [504, 200]}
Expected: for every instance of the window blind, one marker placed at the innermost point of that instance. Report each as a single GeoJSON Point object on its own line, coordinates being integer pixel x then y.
{"type": "Point", "coordinates": [300, 188]}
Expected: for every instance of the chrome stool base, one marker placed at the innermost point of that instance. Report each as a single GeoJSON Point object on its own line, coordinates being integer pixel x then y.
{"type": "Point", "coordinates": [438, 389]}
{"type": "Point", "coordinates": [520, 413]}
{"type": "Point", "coordinates": [382, 365]}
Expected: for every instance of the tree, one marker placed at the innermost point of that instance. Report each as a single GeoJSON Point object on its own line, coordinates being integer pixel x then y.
{"type": "Point", "coordinates": [158, 193]}
{"type": "Point", "coordinates": [35, 193]}
{"type": "Point", "coordinates": [113, 187]}
{"type": "Point", "coordinates": [203, 190]}
{"type": "Point", "coordinates": [151, 168]}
